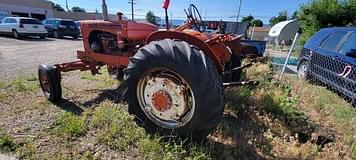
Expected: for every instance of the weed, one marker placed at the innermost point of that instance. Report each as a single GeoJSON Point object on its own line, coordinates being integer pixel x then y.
{"type": "Point", "coordinates": [87, 156]}
{"type": "Point", "coordinates": [116, 127]}
{"type": "Point", "coordinates": [3, 96]}
{"type": "Point", "coordinates": [103, 80]}
{"type": "Point", "coordinates": [70, 125]}
{"type": "Point", "coordinates": [155, 148]}
{"type": "Point", "coordinates": [23, 84]}
{"type": "Point", "coordinates": [353, 150]}
{"type": "Point", "coordinates": [27, 150]}
{"type": "Point", "coordinates": [7, 143]}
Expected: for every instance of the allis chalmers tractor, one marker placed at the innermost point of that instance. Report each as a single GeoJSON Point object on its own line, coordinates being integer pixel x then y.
{"type": "Point", "coordinates": [173, 78]}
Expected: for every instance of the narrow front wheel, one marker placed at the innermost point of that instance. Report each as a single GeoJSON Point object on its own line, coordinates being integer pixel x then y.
{"type": "Point", "coordinates": [50, 82]}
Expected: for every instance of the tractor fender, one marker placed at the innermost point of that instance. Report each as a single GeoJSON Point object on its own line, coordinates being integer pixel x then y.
{"type": "Point", "coordinates": [160, 35]}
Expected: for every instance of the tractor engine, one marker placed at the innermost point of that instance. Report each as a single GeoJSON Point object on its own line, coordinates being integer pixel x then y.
{"type": "Point", "coordinates": [120, 38]}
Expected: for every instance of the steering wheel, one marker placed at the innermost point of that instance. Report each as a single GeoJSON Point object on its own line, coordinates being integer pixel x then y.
{"type": "Point", "coordinates": [194, 16]}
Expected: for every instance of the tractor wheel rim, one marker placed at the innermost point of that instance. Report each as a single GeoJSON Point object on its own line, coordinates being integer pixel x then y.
{"type": "Point", "coordinates": [44, 83]}
{"type": "Point", "coordinates": [166, 98]}
{"type": "Point", "coordinates": [302, 70]}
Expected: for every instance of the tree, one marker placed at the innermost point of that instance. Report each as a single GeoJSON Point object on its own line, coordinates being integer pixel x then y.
{"type": "Point", "coordinates": [248, 19]}
{"type": "Point", "coordinates": [78, 9]}
{"type": "Point", "coordinates": [294, 15]}
{"type": "Point", "coordinates": [282, 16]}
{"type": "Point", "coordinates": [151, 18]}
{"type": "Point", "coordinates": [57, 7]}
{"type": "Point", "coordinates": [257, 23]}
{"type": "Point", "coordinates": [326, 13]}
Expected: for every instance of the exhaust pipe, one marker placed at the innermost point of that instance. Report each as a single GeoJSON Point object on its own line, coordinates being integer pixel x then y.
{"type": "Point", "coordinates": [105, 11]}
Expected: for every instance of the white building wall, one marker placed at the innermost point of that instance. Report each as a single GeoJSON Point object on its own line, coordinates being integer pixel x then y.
{"type": "Point", "coordinates": [7, 9]}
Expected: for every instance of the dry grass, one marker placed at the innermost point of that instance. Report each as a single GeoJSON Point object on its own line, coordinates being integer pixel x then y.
{"type": "Point", "coordinates": [274, 120]}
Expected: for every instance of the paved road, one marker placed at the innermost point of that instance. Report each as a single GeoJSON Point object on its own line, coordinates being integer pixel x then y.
{"type": "Point", "coordinates": [23, 56]}
{"type": "Point", "coordinates": [7, 157]}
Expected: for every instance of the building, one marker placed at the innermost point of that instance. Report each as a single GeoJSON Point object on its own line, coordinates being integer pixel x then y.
{"type": "Point", "coordinates": [258, 33]}
{"type": "Point", "coordinates": [39, 9]}
{"type": "Point", "coordinates": [230, 27]}
{"type": "Point", "coordinates": [42, 9]}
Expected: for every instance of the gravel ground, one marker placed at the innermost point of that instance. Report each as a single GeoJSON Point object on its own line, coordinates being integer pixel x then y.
{"type": "Point", "coordinates": [23, 56]}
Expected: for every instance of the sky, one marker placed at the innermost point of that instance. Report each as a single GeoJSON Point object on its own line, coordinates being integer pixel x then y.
{"type": "Point", "coordinates": [210, 9]}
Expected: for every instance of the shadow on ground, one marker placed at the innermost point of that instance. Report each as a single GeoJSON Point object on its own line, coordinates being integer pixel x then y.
{"type": "Point", "coordinates": [246, 129]}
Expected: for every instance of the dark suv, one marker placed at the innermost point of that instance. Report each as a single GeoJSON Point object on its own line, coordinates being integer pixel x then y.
{"type": "Point", "coordinates": [330, 57]}
{"type": "Point", "coordinates": [58, 28]}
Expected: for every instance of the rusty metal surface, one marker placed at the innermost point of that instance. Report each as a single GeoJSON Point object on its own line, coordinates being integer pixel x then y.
{"type": "Point", "coordinates": [165, 98]}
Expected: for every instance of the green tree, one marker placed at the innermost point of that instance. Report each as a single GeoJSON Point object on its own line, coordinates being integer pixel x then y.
{"type": "Point", "coordinates": [248, 19]}
{"type": "Point", "coordinates": [257, 23]}
{"type": "Point", "coordinates": [57, 7]}
{"type": "Point", "coordinates": [78, 9]}
{"type": "Point", "coordinates": [282, 16]}
{"type": "Point", "coordinates": [326, 13]}
{"type": "Point", "coordinates": [294, 15]}
{"type": "Point", "coordinates": [151, 18]}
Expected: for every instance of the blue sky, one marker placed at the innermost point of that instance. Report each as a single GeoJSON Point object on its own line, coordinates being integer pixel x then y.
{"type": "Point", "coordinates": [211, 9]}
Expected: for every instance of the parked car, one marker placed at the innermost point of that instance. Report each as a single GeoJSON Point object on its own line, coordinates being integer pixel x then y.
{"type": "Point", "coordinates": [78, 25]}
{"type": "Point", "coordinates": [22, 26]}
{"type": "Point", "coordinates": [330, 57]}
{"type": "Point", "coordinates": [58, 28]}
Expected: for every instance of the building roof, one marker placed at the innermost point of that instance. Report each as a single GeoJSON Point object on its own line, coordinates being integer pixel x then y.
{"type": "Point", "coordinates": [285, 30]}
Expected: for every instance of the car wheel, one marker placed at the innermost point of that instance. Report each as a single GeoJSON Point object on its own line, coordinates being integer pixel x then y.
{"type": "Point", "coordinates": [15, 34]}
{"type": "Point", "coordinates": [303, 70]}
{"type": "Point", "coordinates": [55, 34]}
{"type": "Point", "coordinates": [42, 37]}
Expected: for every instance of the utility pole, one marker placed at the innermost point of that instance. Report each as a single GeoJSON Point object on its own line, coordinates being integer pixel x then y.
{"type": "Point", "coordinates": [105, 11]}
{"type": "Point", "coordinates": [67, 6]}
{"type": "Point", "coordinates": [238, 16]}
{"type": "Point", "coordinates": [132, 9]}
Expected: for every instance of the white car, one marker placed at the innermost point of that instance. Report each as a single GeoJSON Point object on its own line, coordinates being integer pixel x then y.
{"type": "Point", "coordinates": [22, 26]}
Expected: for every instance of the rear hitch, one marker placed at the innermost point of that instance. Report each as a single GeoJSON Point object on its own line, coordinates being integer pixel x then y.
{"type": "Point", "coordinates": [237, 69]}
{"type": "Point", "coordinates": [242, 83]}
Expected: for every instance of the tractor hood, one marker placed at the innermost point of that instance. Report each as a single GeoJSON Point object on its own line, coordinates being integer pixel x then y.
{"type": "Point", "coordinates": [132, 30]}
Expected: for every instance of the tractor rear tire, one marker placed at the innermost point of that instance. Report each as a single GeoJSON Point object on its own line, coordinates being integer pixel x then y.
{"type": "Point", "coordinates": [174, 58]}
{"type": "Point", "coordinates": [50, 82]}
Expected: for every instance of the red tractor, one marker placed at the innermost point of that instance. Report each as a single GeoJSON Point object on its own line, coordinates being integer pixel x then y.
{"type": "Point", "coordinates": [173, 79]}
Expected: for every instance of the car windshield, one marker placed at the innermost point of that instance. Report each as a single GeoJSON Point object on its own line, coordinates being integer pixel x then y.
{"type": "Point", "coordinates": [30, 21]}
{"type": "Point", "coordinates": [68, 23]}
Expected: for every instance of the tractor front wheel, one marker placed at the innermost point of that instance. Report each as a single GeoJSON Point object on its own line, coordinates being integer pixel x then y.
{"type": "Point", "coordinates": [173, 88]}
{"type": "Point", "coordinates": [50, 82]}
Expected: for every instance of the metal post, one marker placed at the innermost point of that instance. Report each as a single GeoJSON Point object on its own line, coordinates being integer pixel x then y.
{"type": "Point", "coordinates": [290, 53]}
{"type": "Point", "coordinates": [238, 16]}
{"type": "Point", "coordinates": [105, 10]}
{"type": "Point", "coordinates": [167, 21]}
{"type": "Point", "coordinates": [253, 31]}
